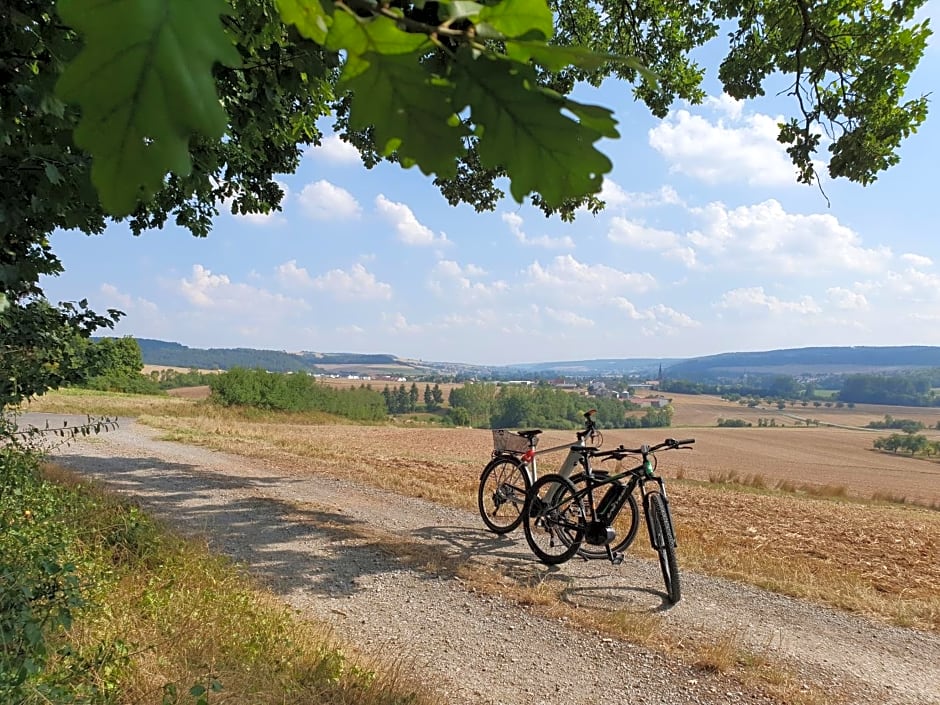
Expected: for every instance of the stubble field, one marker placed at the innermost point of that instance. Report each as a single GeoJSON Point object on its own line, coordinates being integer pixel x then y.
{"type": "Point", "coordinates": [800, 510]}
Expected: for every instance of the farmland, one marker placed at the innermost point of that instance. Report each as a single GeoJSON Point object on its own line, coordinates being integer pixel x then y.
{"type": "Point", "coordinates": [801, 510]}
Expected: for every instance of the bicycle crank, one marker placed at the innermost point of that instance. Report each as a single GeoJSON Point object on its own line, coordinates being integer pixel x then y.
{"type": "Point", "coordinates": [599, 534]}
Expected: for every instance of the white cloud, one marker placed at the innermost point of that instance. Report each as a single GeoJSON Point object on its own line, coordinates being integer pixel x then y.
{"type": "Point", "coordinates": [913, 286]}
{"type": "Point", "coordinates": [573, 279]}
{"type": "Point", "coordinates": [290, 275]}
{"type": "Point", "coordinates": [322, 200]}
{"type": "Point", "coordinates": [747, 151]}
{"type": "Point", "coordinates": [917, 261]}
{"type": "Point", "coordinates": [727, 105]}
{"type": "Point", "coordinates": [766, 237]}
{"type": "Point", "coordinates": [846, 299]}
{"type": "Point", "coordinates": [114, 298]}
{"type": "Point", "coordinates": [336, 151]}
{"type": "Point", "coordinates": [568, 318]}
{"type": "Point", "coordinates": [615, 197]}
{"type": "Point", "coordinates": [357, 283]}
{"type": "Point", "coordinates": [658, 319]}
{"type": "Point", "coordinates": [641, 237]}
{"type": "Point", "coordinates": [397, 323]}
{"type": "Point", "coordinates": [755, 300]}
{"type": "Point", "coordinates": [514, 221]}
{"type": "Point", "coordinates": [450, 279]}
{"type": "Point", "coordinates": [216, 292]}
{"type": "Point", "coordinates": [410, 230]}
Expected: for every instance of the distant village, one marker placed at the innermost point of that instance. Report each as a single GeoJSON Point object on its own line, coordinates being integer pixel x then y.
{"type": "Point", "coordinates": [644, 394]}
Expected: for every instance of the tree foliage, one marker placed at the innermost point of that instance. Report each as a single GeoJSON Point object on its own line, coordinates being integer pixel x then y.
{"type": "Point", "coordinates": [541, 406]}
{"type": "Point", "coordinates": [166, 109]}
{"type": "Point", "coordinates": [294, 392]}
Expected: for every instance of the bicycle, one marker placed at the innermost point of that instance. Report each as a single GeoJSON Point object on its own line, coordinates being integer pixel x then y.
{"type": "Point", "coordinates": [506, 479]}
{"type": "Point", "coordinates": [559, 515]}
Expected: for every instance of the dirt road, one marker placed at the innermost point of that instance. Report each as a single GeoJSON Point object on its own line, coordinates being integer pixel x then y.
{"type": "Point", "coordinates": [322, 545]}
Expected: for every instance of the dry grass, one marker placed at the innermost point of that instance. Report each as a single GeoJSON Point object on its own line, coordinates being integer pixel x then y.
{"type": "Point", "coordinates": [781, 519]}
{"type": "Point", "coordinates": [170, 616]}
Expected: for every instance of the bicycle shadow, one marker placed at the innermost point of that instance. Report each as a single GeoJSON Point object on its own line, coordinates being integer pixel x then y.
{"type": "Point", "coordinates": [506, 554]}
{"type": "Point", "coordinates": [627, 599]}
{"type": "Point", "coordinates": [509, 554]}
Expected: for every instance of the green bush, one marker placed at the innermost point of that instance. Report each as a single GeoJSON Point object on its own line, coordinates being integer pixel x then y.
{"type": "Point", "coordinates": [295, 392]}
{"type": "Point", "coordinates": [734, 423]}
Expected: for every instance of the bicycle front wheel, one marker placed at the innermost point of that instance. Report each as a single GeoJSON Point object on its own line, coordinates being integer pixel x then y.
{"type": "Point", "coordinates": [625, 525]}
{"type": "Point", "coordinates": [553, 519]}
{"type": "Point", "coordinates": [663, 541]}
{"type": "Point", "coordinates": [504, 485]}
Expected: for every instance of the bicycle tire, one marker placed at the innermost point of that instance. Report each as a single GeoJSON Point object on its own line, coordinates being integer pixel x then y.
{"type": "Point", "coordinates": [553, 519]}
{"type": "Point", "coordinates": [663, 541]}
{"type": "Point", "coordinates": [625, 526]}
{"type": "Point", "coordinates": [504, 485]}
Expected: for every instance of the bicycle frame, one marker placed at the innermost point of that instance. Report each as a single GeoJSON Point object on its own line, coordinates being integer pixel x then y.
{"type": "Point", "coordinates": [640, 476]}
{"type": "Point", "coordinates": [571, 461]}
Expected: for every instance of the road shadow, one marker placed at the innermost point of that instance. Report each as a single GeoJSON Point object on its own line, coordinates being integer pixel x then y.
{"type": "Point", "coordinates": [287, 545]}
{"type": "Point", "coordinates": [290, 544]}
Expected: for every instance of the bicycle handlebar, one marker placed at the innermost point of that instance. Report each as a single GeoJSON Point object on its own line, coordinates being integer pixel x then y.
{"type": "Point", "coordinates": [589, 425]}
{"type": "Point", "coordinates": [644, 450]}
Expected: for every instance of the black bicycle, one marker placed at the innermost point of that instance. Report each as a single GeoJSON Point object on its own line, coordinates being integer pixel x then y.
{"type": "Point", "coordinates": [562, 514]}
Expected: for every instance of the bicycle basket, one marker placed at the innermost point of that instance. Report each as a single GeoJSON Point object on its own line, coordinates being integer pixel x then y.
{"type": "Point", "coordinates": [507, 441]}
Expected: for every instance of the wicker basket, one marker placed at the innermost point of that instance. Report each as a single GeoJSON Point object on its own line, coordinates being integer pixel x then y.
{"type": "Point", "coordinates": [505, 441]}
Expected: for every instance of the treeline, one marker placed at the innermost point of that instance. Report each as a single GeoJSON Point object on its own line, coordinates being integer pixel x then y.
{"type": "Point", "coordinates": [914, 389]}
{"type": "Point", "coordinates": [906, 425]}
{"type": "Point", "coordinates": [913, 443]}
{"type": "Point", "coordinates": [174, 379]}
{"type": "Point", "coordinates": [486, 405]}
{"type": "Point", "coordinates": [295, 392]}
{"type": "Point", "coordinates": [406, 400]}
{"type": "Point", "coordinates": [899, 389]}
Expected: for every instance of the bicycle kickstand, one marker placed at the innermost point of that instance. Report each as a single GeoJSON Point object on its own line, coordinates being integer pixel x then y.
{"type": "Point", "coordinates": [616, 558]}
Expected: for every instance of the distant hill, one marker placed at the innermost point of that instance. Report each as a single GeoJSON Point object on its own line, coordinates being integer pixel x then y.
{"type": "Point", "coordinates": [725, 366]}
{"type": "Point", "coordinates": [161, 352]}
{"type": "Point", "coordinates": [807, 362]}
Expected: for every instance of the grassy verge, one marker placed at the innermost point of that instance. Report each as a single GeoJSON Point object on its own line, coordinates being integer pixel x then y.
{"type": "Point", "coordinates": [100, 605]}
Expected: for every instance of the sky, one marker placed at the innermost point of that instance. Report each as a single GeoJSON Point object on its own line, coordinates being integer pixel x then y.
{"type": "Point", "coordinates": [708, 244]}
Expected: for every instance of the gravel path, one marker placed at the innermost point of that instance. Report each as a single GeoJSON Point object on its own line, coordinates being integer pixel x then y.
{"type": "Point", "coordinates": [321, 544]}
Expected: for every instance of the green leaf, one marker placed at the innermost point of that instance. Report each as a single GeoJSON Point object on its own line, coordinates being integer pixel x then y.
{"type": "Point", "coordinates": [52, 173]}
{"type": "Point", "coordinates": [359, 36]}
{"type": "Point", "coordinates": [595, 117]}
{"type": "Point", "coordinates": [311, 18]}
{"type": "Point", "coordinates": [522, 129]}
{"type": "Point", "coordinates": [459, 9]}
{"type": "Point", "coordinates": [520, 18]}
{"type": "Point", "coordinates": [410, 110]}
{"type": "Point", "coordinates": [144, 83]}
{"type": "Point", "coordinates": [555, 58]}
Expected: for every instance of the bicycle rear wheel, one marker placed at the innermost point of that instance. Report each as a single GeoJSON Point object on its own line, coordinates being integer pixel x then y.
{"type": "Point", "coordinates": [504, 485]}
{"type": "Point", "coordinates": [625, 524]}
{"type": "Point", "coordinates": [663, 541]}
{"type": "Point", "coordinates": [553, 519]}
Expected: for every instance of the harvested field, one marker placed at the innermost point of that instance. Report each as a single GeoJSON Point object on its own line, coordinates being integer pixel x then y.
{"type": "Point", "coordinates": [704, 410]}
{"type": "Point", "coordinates": [798, 545]}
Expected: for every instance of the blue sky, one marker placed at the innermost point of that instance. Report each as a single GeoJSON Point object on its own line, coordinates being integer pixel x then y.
{"type": "Point", "coordinates": [708, 245]}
